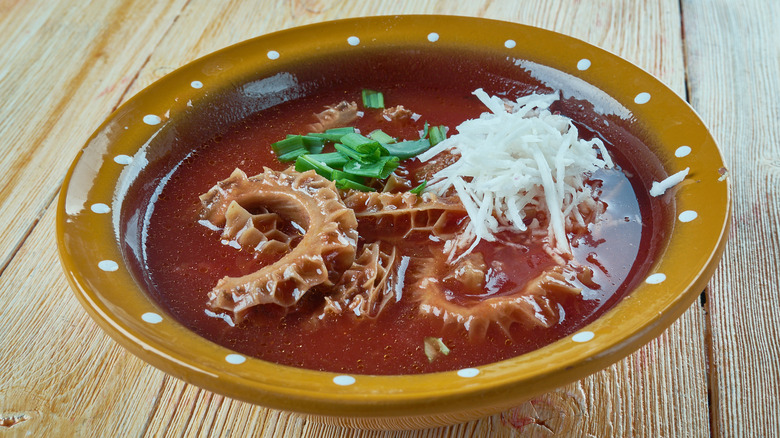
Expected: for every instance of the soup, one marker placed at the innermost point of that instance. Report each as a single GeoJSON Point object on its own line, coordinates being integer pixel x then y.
{"type": "Point", "coordinates": [438, 308]}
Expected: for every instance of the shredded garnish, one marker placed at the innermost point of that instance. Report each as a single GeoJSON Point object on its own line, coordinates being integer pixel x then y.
{"type": "Point", "coordinates": [514, 156]}
{"type": "Point", "coordinates": [660, 187]}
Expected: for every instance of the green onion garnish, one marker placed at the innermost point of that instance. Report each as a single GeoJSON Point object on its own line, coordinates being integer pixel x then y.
{"type": "Point", "coordinates": [304, 163]}
{"type": "Point", "coordinates": [369, 156]}
{"type": "Point", "coordinates": [418, 190]}
{"type": "Point", "coordinates": [296, 145]}
{"type": "Point", "coordinates": [408, 149]}
{"type": "Point", "coordinates": [333, 134]}
{"type": "Point", "coordinates": [381, 137]}
{"type": "Point", "coordinates": [292, 155]}
{"type": "Point", "coordinates": [373, 99]}
{"type": "Point", "coordinates": [437, 134]}
{"type": "Point", "coordinates": [345, 184]}
{"type": "Point", "coordinates": [425, 130]}
{"type": "Point", "coordinates": [288, 145]}
{"type": "Point", "coordinates": [335, 160]}
{"type": "Point", "coordinates": [381, 168]}
{"type": "Point", "coordinates": [338, 174]}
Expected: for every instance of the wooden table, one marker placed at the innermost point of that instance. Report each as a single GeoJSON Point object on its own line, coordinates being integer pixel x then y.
{"type": "Point", "coordinates": [64, 67]}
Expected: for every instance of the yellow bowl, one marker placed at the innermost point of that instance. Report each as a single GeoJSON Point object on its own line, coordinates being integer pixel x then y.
{"type": "Point", "coordinates": [90, 202]}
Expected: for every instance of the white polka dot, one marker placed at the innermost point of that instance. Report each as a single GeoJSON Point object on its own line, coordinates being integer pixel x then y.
{"type": "Point", "coordinates": [151, 318]}
{"type": "Point", "coordinates": [510, 44]}
{"type": "Point", "coordinates": [433, 37]}
{"type": "Point", "coordinates": [151, 119]}
{"type": "Point", "coordinates": [468, 372]}
{"type": "Point", "coordinates": [682, 151]}
{"type": "Point", "coordinates": [196, 84]}
{"type": "Point", "coordinates": [235, 359]}
{"type": "Point", "coordinates": [123, 159]}
{"type": "Point", "coordinates": [344, 380]}
{"type": "Point", "coordinates": [642, 98]}
{"type": "Point", "coordinates": [655, 278]}
{"type": "Point", "coordinates": [108, 265]}
{"type": "Point", "coordinates": [273, 54]}
{"type": "Point", "coordinates": [583, 337]}
{"type": "Point", "coordinates": [583, 64]}
{"type": "Point", "coordinates": [100, 208]}
{"type": "Point", "coordinates": [353, 41]}
{"type": "Point", "coordinates": [687, 216]}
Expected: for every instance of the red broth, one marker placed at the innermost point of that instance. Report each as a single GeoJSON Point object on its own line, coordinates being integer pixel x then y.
{"type": "Point", "coordinates": [179, 260]}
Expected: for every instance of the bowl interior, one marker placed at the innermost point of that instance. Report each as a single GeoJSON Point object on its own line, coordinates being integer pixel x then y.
{"type": "Point", "coordinates": [146, 137]}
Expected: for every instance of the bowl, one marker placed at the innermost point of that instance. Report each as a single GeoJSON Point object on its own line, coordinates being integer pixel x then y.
{"type": "Point", "coordinates": [195, 100]}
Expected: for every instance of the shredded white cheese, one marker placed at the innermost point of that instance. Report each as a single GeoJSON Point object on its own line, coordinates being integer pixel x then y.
{"type": "Point", "coordinates": [517, 155]}
{"type": "Point", "coordinates": [660, 187]}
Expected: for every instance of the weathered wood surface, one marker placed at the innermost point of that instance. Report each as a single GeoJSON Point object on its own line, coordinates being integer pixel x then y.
{"type": "Point", "coordinates": [733, 57]}
{"type": "Point", "coordinates": [65, 67]}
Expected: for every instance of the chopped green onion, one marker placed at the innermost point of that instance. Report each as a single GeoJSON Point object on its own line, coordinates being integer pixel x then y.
{"type": "Point", "coordinates": [313, 144]}
{"type": "Point", "coordinates": [373, 99]}
{"type": "Point", "coordinates": [345, 184]}
{"type": "Point", "coordinates": [304, 163]}
{"type": "Point", "coordinates": [381, 168]}
{"type": "Point", "coordinates": [332, 159]}
{"type": "Point", "coordinates": [360, 143]}
{"type": "Point", "coordinates": [437, 134]}
{"type": "Point", "coordinates": [408, 149]}
{"type": "Point", "coordinates": [363, 157]}
{"type": "Point", "coordinates": [333, 134]}
{"type": "Point", "coordinates": [425, 130]}
{"type": "Point", "coordinates": [338, 174]}
{"type": "Point", "coordinates": [292, 155]}
{"type": "Point", "coordinates": [418, 190]}
{"type": "Point", "coordinates": [381, 137]}
{"type": "Point", "coordinates": [288, 145]}
{"type": "Point", "coordinates": [296, 145]}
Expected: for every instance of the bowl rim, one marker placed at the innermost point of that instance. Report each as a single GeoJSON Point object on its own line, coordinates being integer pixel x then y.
{"type": "Point", "coordinates": [497, 385]}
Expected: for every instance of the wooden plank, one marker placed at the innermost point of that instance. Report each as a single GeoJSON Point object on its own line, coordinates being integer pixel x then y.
{"type": "Point", "coordinates": [63, 69]}
{"type": "Point", "coordinates": [732, 54]}
{"type": "Point", "coordinates": [68, 378]}
{"type": "Point", "coordinates": [59, 372]}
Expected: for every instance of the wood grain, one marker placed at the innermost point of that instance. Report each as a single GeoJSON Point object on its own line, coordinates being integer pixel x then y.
{"type": "Point", "coordinates": [733, 61]}
{"type": "Point", "coordinates": [61, 376]}
{"type": "Point", "coordinates": [64, 69]}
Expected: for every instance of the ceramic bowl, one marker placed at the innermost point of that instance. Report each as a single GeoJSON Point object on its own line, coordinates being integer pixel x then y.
{"type": "Point", "coordinates": [88, 231]}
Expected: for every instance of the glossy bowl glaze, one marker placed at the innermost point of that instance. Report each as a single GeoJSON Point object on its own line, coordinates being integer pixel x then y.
{"type": "Point", "coordinates": [91, 200]}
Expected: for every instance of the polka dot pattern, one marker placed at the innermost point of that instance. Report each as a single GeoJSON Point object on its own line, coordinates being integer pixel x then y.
{"type": "Point", "coordinates": [151, 318]}
{"type": "Point", "coordinates": [151, 119]}
{"type": "Point", "coordinates": [235, 359]}
{"type": "Point", "coordinates": [642, 98]}
{"type": "Point", "coordinates": [100, 208]}
{"type": "Point", "coordinates": [344, 380]}
{"type": "Point", "coordinates": [687, 216]}
{"type": "Point", "coordinates": [108, 265]}
{"type": "Point", "coordinates": [682, 151]}
{"type": "Point", "coordinates": [656, 278]}
{"type": "Point", "coordinates": [468, 373]}
{"type": "Point", "coordinates": [583, 337]}
{"type": "Point", "coordinates": [347, 380]}
{"type": "Point", "coordinates": [123, 159]}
